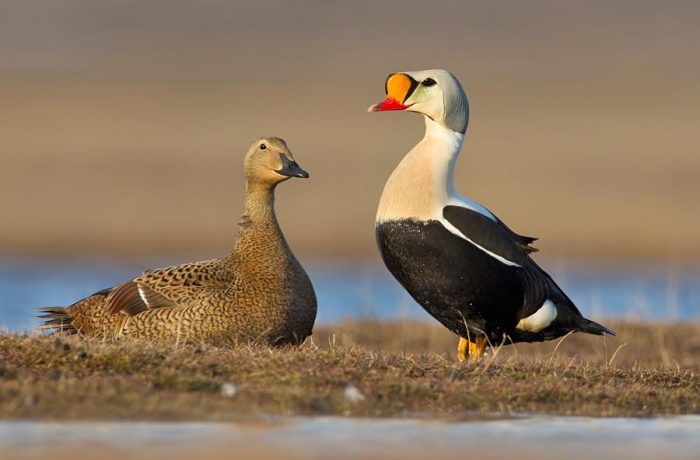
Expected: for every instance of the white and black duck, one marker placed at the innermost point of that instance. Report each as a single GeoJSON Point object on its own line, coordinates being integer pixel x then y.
{"type": "Point", "coordinates": [457, 259]}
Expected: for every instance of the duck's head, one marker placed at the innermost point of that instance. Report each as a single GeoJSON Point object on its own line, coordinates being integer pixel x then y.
{"type": "Point", "coordinates": [270, 161]}
{"type": "Point", "coordinates": [435, 93]}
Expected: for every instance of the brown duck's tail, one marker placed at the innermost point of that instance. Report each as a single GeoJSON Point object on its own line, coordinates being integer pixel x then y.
{"type": "Point", "coordinates": [83, 316]}
{"type": "Point", "coordinates": [56, 320]}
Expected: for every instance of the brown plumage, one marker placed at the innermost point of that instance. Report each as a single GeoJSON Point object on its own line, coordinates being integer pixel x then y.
{"type": "Point", "coordinates": [259, 293]}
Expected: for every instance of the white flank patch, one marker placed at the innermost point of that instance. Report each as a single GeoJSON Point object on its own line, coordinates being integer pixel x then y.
{"type": "Point", "coordinates": [455, 230]}
{"type": "Point", "coordinates": [539, 320]}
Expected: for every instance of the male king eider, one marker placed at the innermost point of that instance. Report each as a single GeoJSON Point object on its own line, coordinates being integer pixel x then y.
{"type": "Point", "coordinates": [456, 258]}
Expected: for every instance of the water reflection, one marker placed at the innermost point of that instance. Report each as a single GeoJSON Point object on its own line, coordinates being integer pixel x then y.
{"type": "Point", "coordinates": [334, 437]}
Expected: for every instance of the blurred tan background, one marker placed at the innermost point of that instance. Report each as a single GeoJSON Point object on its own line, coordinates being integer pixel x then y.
{"type": "Point", "coordinates": [123, 124]}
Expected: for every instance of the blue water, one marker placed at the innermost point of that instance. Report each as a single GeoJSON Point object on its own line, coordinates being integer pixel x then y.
{"type": "Point", "coordinates": [357, 290]}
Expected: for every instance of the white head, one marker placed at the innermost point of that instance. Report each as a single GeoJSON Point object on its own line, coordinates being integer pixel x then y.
{"type": "Point", "coordinates": [435, 93]}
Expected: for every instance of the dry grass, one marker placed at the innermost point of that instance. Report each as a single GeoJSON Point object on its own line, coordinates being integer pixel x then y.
{"type": "Point", "coordinates": [637, 345]}
{"type": "Point", "coordinates": [398, 370]}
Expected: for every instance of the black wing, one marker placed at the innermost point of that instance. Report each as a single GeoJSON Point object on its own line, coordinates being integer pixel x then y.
{"type": "Point", "coordinates": [496, 237]}
{"type": "Point", "coordinates": [491, 235]}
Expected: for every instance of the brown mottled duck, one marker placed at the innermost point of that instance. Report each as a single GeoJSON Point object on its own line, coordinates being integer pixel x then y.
{"type": "Point", "coordinates": [259, 293]}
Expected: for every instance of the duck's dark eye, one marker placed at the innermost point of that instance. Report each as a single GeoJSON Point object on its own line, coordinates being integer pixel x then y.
{"type": "Point", "coordinates": [428, 82]}
{"type": "Point", "coordinates": [263, 146]}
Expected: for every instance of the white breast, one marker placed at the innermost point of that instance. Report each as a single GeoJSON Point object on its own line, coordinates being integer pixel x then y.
{"type": "Point", "coordinates": [422, 184]}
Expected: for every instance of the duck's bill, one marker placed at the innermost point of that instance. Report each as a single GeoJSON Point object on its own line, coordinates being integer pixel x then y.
{"type": "Point", "coordinates": [399, 87]}
{"type": "Point", "coordinates": [292, 169]}
{"type": "Point", "coordinates": [387, 104]}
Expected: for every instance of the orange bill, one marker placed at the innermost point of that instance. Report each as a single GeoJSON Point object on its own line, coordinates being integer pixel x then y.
{"type": "Point", "coordinates": [399, 87]}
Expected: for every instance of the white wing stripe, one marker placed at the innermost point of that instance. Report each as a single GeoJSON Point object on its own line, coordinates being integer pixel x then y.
{"type": "Point", "coordinates": [456, 231]}
{"type": "Point", "coordinates": [142, 294]}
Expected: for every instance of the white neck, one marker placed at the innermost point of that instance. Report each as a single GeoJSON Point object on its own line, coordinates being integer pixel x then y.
{"type": "Point", "coordinates": [422, 183]}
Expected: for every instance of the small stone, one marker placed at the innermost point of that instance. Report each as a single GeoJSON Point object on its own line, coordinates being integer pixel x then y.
{"type": "Point", "coordinates": [29, 401]}
{"type": "Point", "coordinates": [228, 389]}
{"type": "Point", "coordinates": [81, 354]}
{"type": "Point", "coordinates": [61, 345]}
{"type": "Point", "coordinates": [352, 394]}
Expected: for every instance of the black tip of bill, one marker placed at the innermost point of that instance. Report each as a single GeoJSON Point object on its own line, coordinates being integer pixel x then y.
{"type": "Point", "coordinates": [292, 169]}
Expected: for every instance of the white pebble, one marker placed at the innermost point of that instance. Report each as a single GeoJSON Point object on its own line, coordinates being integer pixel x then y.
{"type": "Point", "coordinates": [228, 390]}
{"type": "Point", "coordinates": [352, 394]}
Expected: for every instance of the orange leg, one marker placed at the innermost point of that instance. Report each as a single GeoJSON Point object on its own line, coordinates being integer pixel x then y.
{"type": "Point", "coordinates": [462, 350]}
{"type": "Point", "coordinates": [476, 349]}
{"type": "Point", "coordinates": [471, 351]}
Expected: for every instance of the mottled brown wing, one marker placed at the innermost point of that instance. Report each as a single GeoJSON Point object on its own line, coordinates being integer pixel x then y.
{"type": "Point", "coordinates": [132, 298]}
{"type": "Point", "coordinates": [167, 287]}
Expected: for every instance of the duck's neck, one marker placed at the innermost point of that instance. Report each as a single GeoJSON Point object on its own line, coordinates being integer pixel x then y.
{"type": "Point", "coordinates": [422, 183]}
{"type": "Point", "coordinates": [259, 204]}
{"type": "Point", "coordinates": [258, 227]}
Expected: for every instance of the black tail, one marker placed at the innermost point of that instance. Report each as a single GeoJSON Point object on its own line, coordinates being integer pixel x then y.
{"type": "Point", "coordinates": [575, 319]}
{"type": "Point", "coordinates": [591, 327]}
{"type": "Point", "coordinates": [56, 319]}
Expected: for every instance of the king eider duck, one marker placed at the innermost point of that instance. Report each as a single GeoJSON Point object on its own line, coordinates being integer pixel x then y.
{"type": "Point", "coordinates": [259, 293]}
{"type": "Point", "coordinates": [455, 257]}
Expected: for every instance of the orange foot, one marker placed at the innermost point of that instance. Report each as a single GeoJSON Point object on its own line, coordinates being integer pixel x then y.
{"type": "Point", "coordinates": [471, 351]}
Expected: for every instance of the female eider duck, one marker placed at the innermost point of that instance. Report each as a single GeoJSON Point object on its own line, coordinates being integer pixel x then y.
{"type": "Point", "coordinates": [259, 293]}
{"type": "Point", "coordinates": [456, 258]}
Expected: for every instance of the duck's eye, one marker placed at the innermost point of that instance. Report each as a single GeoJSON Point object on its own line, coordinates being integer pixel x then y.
{"type": "Point", "coordinates": [263, 146]}
{"type": "Point", "coordinates": [428, 82]}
